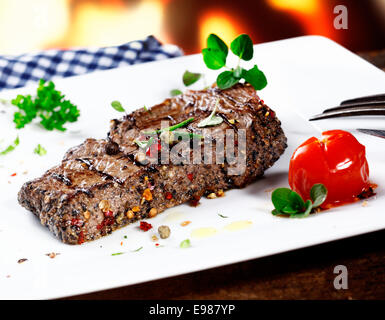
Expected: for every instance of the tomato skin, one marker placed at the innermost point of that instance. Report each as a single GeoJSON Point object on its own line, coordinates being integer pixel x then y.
{"type": "Point", "coordinates": [337, 160]}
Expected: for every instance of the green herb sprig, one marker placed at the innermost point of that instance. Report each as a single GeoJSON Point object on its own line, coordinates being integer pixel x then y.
{"type": "Point", "coordinates": [40, 150]}
{"type": "Point", "coordinates": [189, 78]}
{"type": "Point", "coordinates": [145, 144]}
{"type": "Point", "coordinates": [172, 128]}
{"type": "Point", "coordinates": [117, 253]}
{"type": "Point", "coordinates": [215, 56]}
{"type": "Point", "coordinates": [48, 104]}
{"type": "Point", "coordinates": [117, 106]}
{"type": "Point", "coordinates": [11, 147]}
{"type": "Point", "coordinates": [185, 244]}
{"type": "Point", "coordinates": [289, 202]}
{"type": "Point", "coordinates": [212, 119]}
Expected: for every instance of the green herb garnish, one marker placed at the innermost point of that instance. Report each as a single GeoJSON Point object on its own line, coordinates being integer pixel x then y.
{"type": "Point", "coordinates": [212, 119]}
{"type": "Point", "coordinates": [175, 92]}
{"type": "Point", "coordinates": [10, 147]}
{"type": "Point", "coordinates": [187, 135]}
{"type": "Point", "coordinates": [117, 253]}
{"type": "Point", "coordinates": [144, 144]}
{"type": "Point", "coordinates": [117, 106]}
{"type": "Point", "coordinates": [190, 78]}
{"type": "Point", "coordinates": [49, 104]}
{"type": "Point", "coordinates": [216, 52]}
{"type": "Point", "coordinates": [172, 128]}
{"type": "Point", "coordinates": [185, 243]}
{"type": "Point", "coordinates": [222, 216]}
{"type": "Point", "coordinates": [215, 56]}
{"type": "Point", "coordinates": [289, 202]}
{"type": "Point", "coordinates": [138, 249]}
{"type": "Point", "coordinates": [40, 150]}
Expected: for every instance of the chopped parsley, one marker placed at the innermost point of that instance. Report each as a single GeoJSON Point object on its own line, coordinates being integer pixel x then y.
{"type": "Point", "coordinates": [40, 150]}
{"type": "Point", "coordinates": [48, 104]}
{"type": "Point", "coordinates": [185, 244]}
{"type": "Point", "coordinates": [10, 147]}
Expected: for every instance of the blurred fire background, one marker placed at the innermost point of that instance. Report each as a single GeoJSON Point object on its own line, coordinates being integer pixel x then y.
{"type": "Point", "coordinates": [30, 25]}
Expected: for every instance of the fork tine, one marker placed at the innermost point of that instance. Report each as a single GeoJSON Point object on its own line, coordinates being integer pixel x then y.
{"type": "Point", "coordinates": [358, 105]}
{"type": "Point", "coordinates": [371, 98]}
{"type": "Point", "coordinates": [349, 112]}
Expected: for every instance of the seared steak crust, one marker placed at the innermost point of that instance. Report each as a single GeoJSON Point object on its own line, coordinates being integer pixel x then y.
{"type": "Point", "coordinates": [67, 198]}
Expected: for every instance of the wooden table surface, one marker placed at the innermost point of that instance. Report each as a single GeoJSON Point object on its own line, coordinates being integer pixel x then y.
{"type": "Point", "coordinates": [301, 274]}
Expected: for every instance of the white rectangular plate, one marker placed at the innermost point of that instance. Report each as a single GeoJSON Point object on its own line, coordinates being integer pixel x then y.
{"type": "Point", "coordinates": [305, 76]}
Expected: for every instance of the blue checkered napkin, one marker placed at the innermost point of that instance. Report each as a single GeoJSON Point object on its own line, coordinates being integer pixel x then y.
{"type": "Point", "coordinates": [19, 71]}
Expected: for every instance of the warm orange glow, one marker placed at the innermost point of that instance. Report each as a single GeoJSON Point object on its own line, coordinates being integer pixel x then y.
{"type": "Point", "coordinates": [29, 25]}
{"type": "Point", "coordinates": [302, 6]}
{"type": "Point", "coordinates": [97, 25]}
{"type": "Point", "coordinates": [312, 14]}
{"type": "Point", "coordinates": [219, 23]}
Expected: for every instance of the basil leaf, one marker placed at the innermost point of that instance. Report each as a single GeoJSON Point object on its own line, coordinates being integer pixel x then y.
{"type": "Point", "coordinates": [216, 52]}
{"type": "Point", "coordinates": [296, 201]}
{"type": "Point", "coordinates": [318, 194]}
{"type": "Point", "coordinates": [308, 206]}
{"type": "Point", "coordinates": [10, 147]}
{"type": "Point", "coordinates": [117, 106]}
{"type": "Point", "coordinates": [185, 243]}
{"type": "Point", "coordinates": [242, 46]}
{"type": "Point", "coordinates": [175, 92]}
{"type": "Point", "coordinates": [280, 198]}
{"type": "Point", "coordinates": [226, 80]}
{"type": "Point", "coordinates": [214, 58]}
{"type": "Point", "coordinates": [216, 43]}
{"type": "Point", "coordinates": [189, 78]}
{"type": "Point", "coordinates": [286, 201]}
{"type": "Point", "coordinates": [255, 77]}
{"type": "Point", "coordinates": [212, 119]}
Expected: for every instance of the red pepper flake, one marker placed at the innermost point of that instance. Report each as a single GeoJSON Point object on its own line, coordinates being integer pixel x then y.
{"type": "Point", "coordinates": [156, 146]}
{"type": "Point", "coordinates": [195, 202]}
{"type": "Point", "coordinates": [77, 222]}
{"type": "Point", "coordinates": [13, 174]}
{"type": "Point", "coordinates": [190, 176]}
{"type": "Point", "coordinates": [109, 214]}
{"type": "Point", "coordinates": [145, 226]}
{"type": "Point", "coordinates": [106, 222]}
{"type": "Point", "coordinates": [81, 237]}
{"type": "Point", "coordinates": [168, 196]}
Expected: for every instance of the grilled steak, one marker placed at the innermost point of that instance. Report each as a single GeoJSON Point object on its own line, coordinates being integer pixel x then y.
{"type": "Point", "coordinates": [101, 185]}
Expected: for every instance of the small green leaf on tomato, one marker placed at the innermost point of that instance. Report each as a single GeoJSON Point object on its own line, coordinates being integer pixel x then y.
{"type": "Point", "coordinates": [318, 194]}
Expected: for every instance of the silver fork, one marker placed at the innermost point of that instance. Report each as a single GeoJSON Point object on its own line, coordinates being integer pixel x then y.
{"type": "Point", "coordinates": [373, 105]}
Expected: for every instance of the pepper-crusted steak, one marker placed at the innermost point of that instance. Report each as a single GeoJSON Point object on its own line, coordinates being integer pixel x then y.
{"type": "Point", "coordinates": [99, 186]}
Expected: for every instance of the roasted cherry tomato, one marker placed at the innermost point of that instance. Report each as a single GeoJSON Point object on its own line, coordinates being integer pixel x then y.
{"type": "Point", "coordinates": [337, 160]}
